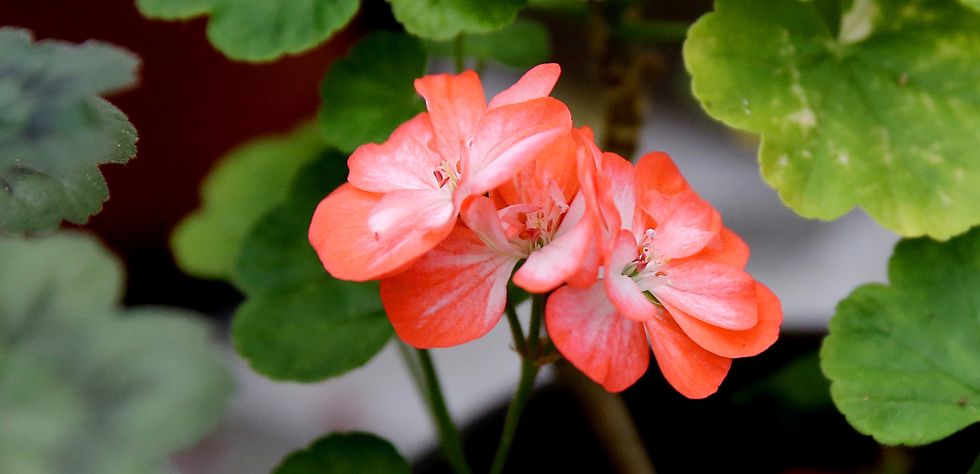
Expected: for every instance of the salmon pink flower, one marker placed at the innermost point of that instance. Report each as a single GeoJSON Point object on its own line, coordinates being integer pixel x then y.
{"type": "Point", "coordinates": [403, 196]}
{"type": "Point", "coordinates": [457, 292]}
{"type": "Point", "coordinates": [673, 281]}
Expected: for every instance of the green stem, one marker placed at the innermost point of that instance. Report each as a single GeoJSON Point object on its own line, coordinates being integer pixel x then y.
{"type": "Point", "coordinates": [529, 370]}
{"type": "Point", "coordinates": [412, 363]}
{"type": "Point", "coordinates": [452, 445]}
{"type": "Point", "coordinates": [515, 329]}
{"type": "Point", "coordinates": [459, 54]}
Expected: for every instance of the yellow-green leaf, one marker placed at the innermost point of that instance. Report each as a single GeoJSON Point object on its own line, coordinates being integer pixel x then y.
{"type": "Point", "coordinates": [245, 184]}
{"type": "Point", "coordinates": [870, 103]}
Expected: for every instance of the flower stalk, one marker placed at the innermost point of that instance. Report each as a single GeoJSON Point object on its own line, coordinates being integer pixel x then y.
{"type": "Point", "coordinates": [529, 371]}
{"type": "Point", "coordinates": [449, 439]}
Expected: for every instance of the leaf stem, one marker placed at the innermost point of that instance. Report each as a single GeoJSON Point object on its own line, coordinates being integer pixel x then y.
{"type": "Point", "coordinates": [452, 445]}
{"type": "Point", "coordinates": [529, 370]}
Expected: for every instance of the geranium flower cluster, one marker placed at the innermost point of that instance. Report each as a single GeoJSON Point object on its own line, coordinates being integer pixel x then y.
{"type": "Point", "coordinates": [459, 196]}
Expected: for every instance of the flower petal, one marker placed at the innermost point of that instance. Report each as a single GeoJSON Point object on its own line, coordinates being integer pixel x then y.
{"type": "Point", "coordinates": [727, 343]}
{"type": "Point", "coordinates": [404, 161]}
{"type": "Point", "coordinates": [554, 166]}
{"type": "Point", "coordinates": [508, 138]}
{"type": "Point", "coordinates": [691, 370]}
{"type": "Point", "coordinates": [585, 327]}
{"type": "Point", "coordinates": [453, 294]}
{"type": "Point", "coordinates": [402, 211]}
{"type": "Point", "coordinates": [482, 218]}
{"type": "Point", "coordinates": [350, 250]}
{"type": "Point", "coordinates": [684, 223]}
{"type": "Point", "coordinates": [617, 192]}
{"type": "Point", "coordinates": [551, 265]}
{"type": "Point", "coordinates": [656, 171]}
{"type": "Point", "coordinates": [623, 291]}
{"type": "Point", "coordinates": [728, 248]}
{"type": "Point", "coordinates": [536, 83]}
{"type": "Point", "coordinates": [455, 103]}
{"type": "Point", "coordinates": [718, 294]}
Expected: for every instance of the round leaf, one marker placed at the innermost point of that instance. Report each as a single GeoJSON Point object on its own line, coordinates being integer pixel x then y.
{"type": "Point", "coordinates": [173, 9]}
{"type": "Point", "coordinates": [85, 387]}
{"type": "Point", "coordinates": [876, 105]}
{"type": "Point", "coordinates": [276, 254]}
{"type": "Point", "coordinates": [444, 19]}
{"type": "Point", "coordinates": [298, 323]}
{"type": "Point", "coordinates": [903, 359]}
{"type": "Point", "coordinates": [312, 331]}
{"type": "Point", "coordinates": [371, 91]}
{"type": "Point", "coordinates": [350, 453]}
{"type": "Point", "coordinates": [55, 130]}
{"type": "Point", "coordinates": [245, 184]}
{"type": "Point", "coordinates": [67, 273]}
{"type": "Point", "coordinates": [523, 44]}
{"type": "Point", "coordinates": [259, 30]}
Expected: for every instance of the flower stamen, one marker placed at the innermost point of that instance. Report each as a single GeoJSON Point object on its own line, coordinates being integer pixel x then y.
{"type": "Point", "coordinates": [645, 267]}
{"type": "Point", "coordinates": [448, 174]}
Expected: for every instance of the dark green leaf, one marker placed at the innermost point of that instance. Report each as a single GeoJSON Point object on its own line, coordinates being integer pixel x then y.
{"type": "Point", "coordinates": [523, 44]}
{"type": "Point", "coordinates": [259, 30]}
{"type": "Point", "coordinates": [298, 323]}
{"type": "Point", "coordinates": [55, 130]}
{"type": "Point", "coordinates": [86, 387]}
{"type": "Point", "coordinates": [311, 331]}
{"type": "Point", "coordinates": [875, 105]}
{"type": "Point", "coordinates": [276, 254]}
{"type": "Point", "coordinates": [348, 453]}
{"type": "Point", "coordinates": [244, 185]}
{"type": "Point", "coordinates": [371, 91]}
{"type": "Point", "coordinates": [903, 359]}
{"type": "Point", "coordinates": [799, 385]}
{"type": "Point", "coordinates": [444, 19]}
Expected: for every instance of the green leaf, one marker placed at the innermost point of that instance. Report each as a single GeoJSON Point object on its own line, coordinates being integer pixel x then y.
{"type": "Point", "coordinates": [875, 105]}
{"type": "Point", "coordinates": [298, 323]}
{"type": "Point", "coordinates": [975, 468]}
{"type": "Point", "coordinates": [974, 4]}
{"type": "Point", "coordinates": [250, 30]}
{"type": "Point", "coordinates": [276, 253]}
{"type": "Point", "coordinates": [444, 19]}
{"type": "Point", "coordinates": [245, 184]}
{"type": "Point", "coordinates": [350, 453]}
{"type": "Point", "coordinates": [371, 91]}
{"type": "Point", "coordinates": [798, 385]}
{"type": "Point", "coordinates": [87, 387]}
{"type": "Point", "coordinates": [55, 130]}
{"type": "Point", "coordinates": [173, 9]}
{"type": "Point", "coordinates": [311, 331]}
{"type": "Point", "coordinates": [523, 44]}
{"type": "Point", "coordinates": [903, 359]}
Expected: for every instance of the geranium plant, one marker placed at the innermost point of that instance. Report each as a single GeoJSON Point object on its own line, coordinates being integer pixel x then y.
{"type": "Point", "coordinates": [418, 207]}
